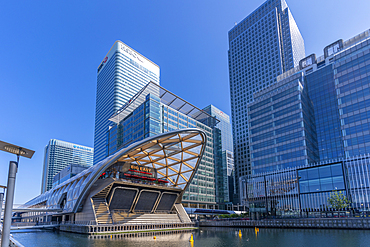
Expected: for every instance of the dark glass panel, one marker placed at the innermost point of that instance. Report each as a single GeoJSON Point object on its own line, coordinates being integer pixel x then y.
{"type": "Point", "coordinates": [324, 171]}
{"type": "Point", "coordinates": [313, 173]}
{"type": "Point", "coordinates": [336, 170]}
{"type": "Point", "coordinates": [326, 184]}
{"type": "Point", "coordinates": [314, 185]}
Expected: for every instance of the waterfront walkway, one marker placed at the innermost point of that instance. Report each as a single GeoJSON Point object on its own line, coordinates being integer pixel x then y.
{"type": "Point", "coordinates": [314, 223]}
{"type": "Point", "coordinates": [23, 227]}
{"type": "Point", "coordinates": [91, 228]}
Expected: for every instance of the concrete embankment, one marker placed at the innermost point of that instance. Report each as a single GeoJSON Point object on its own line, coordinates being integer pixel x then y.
{"type": "Point", "coordinates": [125, 228]}
{"type": "Point", "coordinates": [317, 223]}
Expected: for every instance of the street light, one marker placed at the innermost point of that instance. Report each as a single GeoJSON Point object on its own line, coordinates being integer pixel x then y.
{"type": "Point", "coordinates": [13, 167]}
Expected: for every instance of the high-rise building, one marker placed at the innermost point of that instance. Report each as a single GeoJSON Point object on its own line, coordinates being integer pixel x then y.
{"type": "Point", "coordinates": [223, 148]}
{"type": "Point", "coordinates": [58, 155]}
{"type": "Point", "coordinates": [122, 73]}
{"type": "Point", "coordinates": [155, 110]}
{"type": "Point", "coordinates": [262, 46]}
{"type": "Point", "coordinates": [310, 130]}
{"type": "Point", "coordinates": [282, 126]}
{"type": "Point", "coordinates": [67, 173]}
{"type": "Point", "coordinates": [224, 125]}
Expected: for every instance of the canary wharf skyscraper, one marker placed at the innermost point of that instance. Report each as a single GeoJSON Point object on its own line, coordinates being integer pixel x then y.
{"type": "Point", "coordinates": [60, 154]}
{"type": "Point", "coordinates": [262, 46]}
{"type": "Point", "coordinates": [122, 73]}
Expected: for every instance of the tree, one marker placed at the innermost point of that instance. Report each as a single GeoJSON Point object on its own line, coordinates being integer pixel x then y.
{"type": "Point", "coordinates": [338, 200]}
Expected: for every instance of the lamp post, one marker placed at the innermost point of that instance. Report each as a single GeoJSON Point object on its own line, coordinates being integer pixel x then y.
{"type": "Point", "coordinates": [13, 167]}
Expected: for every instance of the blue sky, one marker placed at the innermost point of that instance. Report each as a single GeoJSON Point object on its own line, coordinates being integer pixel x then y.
{"type": "Point", "coordinates": [50, 51]}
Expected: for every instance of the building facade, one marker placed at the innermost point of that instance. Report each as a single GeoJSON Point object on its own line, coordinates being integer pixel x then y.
{"type": "Point", "coordinates": [282, 126]}
{"type": "Point", "coordinates": [155, 110]}
{"type": "Point", "coordinates": [60, 154]}
{"type": "Point", "coordinates": [141, 184]}
{"type": "Point", "coordinates": [224, 161]}
{"type": "Point", "coordinates": [328, 121]}
{"type": "Point", "coordinates": [122, 73]}
{"type": "Point", "coordinates": [264, 45]}
{"type": "Point", "coordinates": [67, 173]}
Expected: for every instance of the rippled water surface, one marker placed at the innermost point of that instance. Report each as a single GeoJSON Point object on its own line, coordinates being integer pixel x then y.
{"type": "Point", "coordinates": [204, 237]}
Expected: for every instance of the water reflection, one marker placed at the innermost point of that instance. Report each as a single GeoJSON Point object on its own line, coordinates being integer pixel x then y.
{"type": "Point", "coordinates": [204, 237]}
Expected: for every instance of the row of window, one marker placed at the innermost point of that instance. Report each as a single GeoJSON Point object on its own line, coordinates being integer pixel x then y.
{"type": "Point", "coordinates": [281, 157]}
{"type": "Point", "coordinates": [359, 83]}
{"type": "Point", "coordinates": [357, 140]}
{"type": "Point", "coordinates": [355, 107]}
{"type": "Point", "coordinates": [353, 63]}
{"type": "Point", "coordinates": [282, 130]}
{"type": "Point", "coordinates": [354, 96]}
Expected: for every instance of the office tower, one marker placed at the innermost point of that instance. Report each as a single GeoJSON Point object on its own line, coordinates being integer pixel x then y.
{"type": "Point", "coordinates": [155, 110]}
{"type": "Point", "coordinates": [310, 130]}
{"type": "Point", "coordinates": [261, 47]}
{"type": "Point", "coordinates": [223, 148]}
{"type": "Point", "coordinates": [67, 173]}
{"type": "Point", "coordinates": [58, 155]}
{"type": "Point", "coordinates": [121, 74]}
{"type": "Point", "coordinates": [282, 126]}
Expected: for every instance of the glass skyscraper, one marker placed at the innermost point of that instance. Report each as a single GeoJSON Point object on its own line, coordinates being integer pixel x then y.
{"type": "Point", "coordinates": [60, 154]}
{"type": "Point", "coordinates": [223, 148]}
{"type": "Point", "coordinates": [155, 110]}
{"type": "Point", "coordinates": [262, 46]}
{"type": "Point", "coordinates": [122, 73]}
{"type": "Point", "coordinates": [224, 125]}
{"type": "Point", "coordinates": [313, 122]}
{"type": "Point", "coordinates": [282, 126]}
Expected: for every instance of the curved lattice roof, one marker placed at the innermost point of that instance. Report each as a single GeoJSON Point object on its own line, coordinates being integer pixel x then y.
{"type": "Point", "coordinates": [175, 155]}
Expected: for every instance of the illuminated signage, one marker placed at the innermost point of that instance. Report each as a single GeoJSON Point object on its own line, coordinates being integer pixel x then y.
{"type": "Point", "coordinates": [140, 168]}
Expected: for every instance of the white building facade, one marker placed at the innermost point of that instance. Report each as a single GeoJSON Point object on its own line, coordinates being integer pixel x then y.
{"type": "Point", "coordinates": [122, 73]}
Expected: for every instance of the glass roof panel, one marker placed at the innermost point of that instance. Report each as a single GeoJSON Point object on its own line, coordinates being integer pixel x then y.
{"type": "Point", "coordinates": [171, 172]}
{"type": "Point", "coordinates": [187, 156]}
{"type": "Point", "coordinates": [187, 174]}
{"type": "Point", "coordinates": [195, 149]}
{"type": "Point", "coordinates": [187, 144]}
{"type": "Point", "coordinates": [176, 167]}
{"type": "Point", "coordinates": [171, 161]}
{"type": "Point", "coordinates": [162, 161]}
{"type": "Point", "coordinates": [177, 156]}
{"type": "Point", "coordinates": [181, 180]}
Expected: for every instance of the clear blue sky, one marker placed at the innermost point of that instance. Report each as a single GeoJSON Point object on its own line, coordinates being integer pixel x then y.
{"type": "Point", "coordinates": [50, 51]}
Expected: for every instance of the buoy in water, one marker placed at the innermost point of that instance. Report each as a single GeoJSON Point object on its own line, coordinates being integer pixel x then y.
{"type": "Point", "coordinates": [240, 233]}
{"type": "Point", "coordinates": [191, 238]}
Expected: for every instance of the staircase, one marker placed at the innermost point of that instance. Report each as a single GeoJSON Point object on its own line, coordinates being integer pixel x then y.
{"type": "Point", "coordinates": [119, 217]}
{"type": "Point", "coordinates": [101, 208]}
{"type": "Point", "coordinates": [184, 217]}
